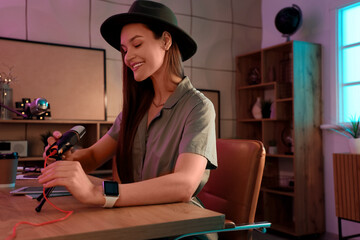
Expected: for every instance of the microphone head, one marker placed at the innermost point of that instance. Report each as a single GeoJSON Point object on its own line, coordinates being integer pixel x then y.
{"type": "Point", "coordinates": [80, 130]}
{"type": "Point", "coordinates": [69, 139]}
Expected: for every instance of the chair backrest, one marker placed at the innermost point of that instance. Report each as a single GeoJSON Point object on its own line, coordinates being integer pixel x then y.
{"type": "Point", "coordinates": [233, 188]}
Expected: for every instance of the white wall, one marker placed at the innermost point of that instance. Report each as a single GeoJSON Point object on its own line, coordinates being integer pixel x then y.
{"type": "Point", "coordinates": [222, 29]}
{"type": "Point", "coordinates": [319, 27]}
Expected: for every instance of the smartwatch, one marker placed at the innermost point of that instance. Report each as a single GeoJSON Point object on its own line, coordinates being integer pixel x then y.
{"type": "Point", "coordinates": [111, 193]}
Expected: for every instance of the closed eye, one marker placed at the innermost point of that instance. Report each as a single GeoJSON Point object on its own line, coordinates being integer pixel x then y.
{"type": "Point", "coordinates": [123, 50]}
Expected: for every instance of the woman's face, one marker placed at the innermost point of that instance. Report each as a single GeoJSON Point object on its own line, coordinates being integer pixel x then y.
{"type": "Point", "coordinates": [143, 54]}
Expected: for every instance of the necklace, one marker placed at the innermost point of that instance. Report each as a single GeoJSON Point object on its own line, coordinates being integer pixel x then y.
{"type": "Point", "coordinates": [158, 105]}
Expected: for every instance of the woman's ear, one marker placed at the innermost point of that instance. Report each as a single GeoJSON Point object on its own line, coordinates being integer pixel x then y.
{"type": "Point", "coordinates": [167, 39]}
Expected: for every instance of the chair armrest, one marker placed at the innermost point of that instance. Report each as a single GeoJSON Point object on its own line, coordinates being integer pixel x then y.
{"type": "Point", "coordinates": [229, 224]}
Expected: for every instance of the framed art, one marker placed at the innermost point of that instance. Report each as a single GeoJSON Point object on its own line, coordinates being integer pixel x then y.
{"type": "Point", "coordinates": [71, 78]}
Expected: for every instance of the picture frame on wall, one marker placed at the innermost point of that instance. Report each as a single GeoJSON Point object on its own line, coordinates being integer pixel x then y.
{"type": "Point", "coordinates": [71, 78]}
{"type": "Point", "coordinates": [214, 97]}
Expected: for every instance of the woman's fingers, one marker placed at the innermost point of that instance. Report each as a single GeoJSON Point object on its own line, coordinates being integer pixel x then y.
{"type": "Point", "coordinates": [51, 140]}
{"type": "Point", "coordinates": [62, 169]}
{"type": "Point", "coordinates": [54, 171]}
{"type": "Point", "coordinates": [57, 135]}
{"type": "Point", "coordinates": [71, 175]}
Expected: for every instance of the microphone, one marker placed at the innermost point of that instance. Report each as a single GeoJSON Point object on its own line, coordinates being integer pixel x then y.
{"type": "Point", "coordinates": [67, 140]}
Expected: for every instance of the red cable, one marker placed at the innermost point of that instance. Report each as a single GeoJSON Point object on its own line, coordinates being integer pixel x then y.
{"type": "Point", "coordinates": [13, 235]}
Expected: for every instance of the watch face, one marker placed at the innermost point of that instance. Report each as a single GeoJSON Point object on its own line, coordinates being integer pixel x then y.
{"type": "Point", "coordinates": [111, 188]}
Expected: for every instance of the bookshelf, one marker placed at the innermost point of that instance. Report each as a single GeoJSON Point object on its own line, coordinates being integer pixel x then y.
{"type": "Point", "coordinates": [289, 75]}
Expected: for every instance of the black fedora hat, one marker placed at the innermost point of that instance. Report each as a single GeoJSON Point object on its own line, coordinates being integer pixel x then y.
{"type": "Point", "coordinates": [148, 12]}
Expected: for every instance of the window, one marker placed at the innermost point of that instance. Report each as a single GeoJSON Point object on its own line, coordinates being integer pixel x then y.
{"type": "Point", "coordinates": [349, 62]}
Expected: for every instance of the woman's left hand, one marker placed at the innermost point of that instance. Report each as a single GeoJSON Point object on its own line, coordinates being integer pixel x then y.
{"type": "Point", "coordinates": [71, 175]}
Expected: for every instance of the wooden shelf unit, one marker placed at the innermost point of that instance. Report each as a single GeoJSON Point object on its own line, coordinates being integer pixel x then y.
{"type": "Point", "coordinates": [292, 193]}
{"type": "Point", "coordinates": [30, 130]}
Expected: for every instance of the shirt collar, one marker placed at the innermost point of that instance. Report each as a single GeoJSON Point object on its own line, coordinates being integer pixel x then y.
{"type": "Point", "coordinates": [184, 86]}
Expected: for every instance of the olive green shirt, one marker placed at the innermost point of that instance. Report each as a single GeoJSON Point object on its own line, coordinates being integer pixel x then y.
{"type": "Point", "coordinates": [185, 124]}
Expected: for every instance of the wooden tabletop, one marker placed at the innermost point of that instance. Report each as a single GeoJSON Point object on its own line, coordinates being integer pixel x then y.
{"type": "Point", "coordinates": [142, 222]}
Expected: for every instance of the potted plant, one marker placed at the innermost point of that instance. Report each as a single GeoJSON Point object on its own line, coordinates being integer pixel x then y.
{"type": "Point", "coordinates": [351, 130]}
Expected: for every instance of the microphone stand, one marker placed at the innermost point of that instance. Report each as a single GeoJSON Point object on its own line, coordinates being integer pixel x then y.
{"type": "Point", "coordinates": [48, 191]}
{"type": "Point", "coordinates": [56, 150]}
{"type": "Point", "coordinates": [41, 198]}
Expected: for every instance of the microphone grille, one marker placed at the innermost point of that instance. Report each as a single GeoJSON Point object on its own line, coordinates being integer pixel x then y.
{"type": "Point", "coordinates": [80, 130]}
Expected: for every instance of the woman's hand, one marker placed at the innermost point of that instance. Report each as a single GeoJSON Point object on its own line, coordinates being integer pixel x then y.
{"type": "Point", "coordinates": [51, 140]}
{"type": "Point", "coordinates": [71, 175]}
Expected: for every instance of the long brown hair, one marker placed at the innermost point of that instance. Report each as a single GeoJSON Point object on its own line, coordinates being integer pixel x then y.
{"type": "Point", "coordinates": [137, 98]}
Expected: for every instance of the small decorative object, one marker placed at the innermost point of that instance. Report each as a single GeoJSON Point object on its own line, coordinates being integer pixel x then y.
{"type": "Point", "coordinates": [266, 108]}
{"type": "Point", "coordinates": [352, 132]}
{"type": "Point", "coordinates": [287, 140]}
{"type": "Point", "coordinates": [256, 109]}
{"type": "Point", "coordinates": [254, 76]}
{"type": "Point", "coordinates": [5, 101]}
{"type": "Point", "coordinates": [272, 147]}
{"type": "Point", "coordinates": [288, 20]}
{"type": "Point", "coordinates": [6, 93]}
{"type": "Point", "coordinates": [38, 108]}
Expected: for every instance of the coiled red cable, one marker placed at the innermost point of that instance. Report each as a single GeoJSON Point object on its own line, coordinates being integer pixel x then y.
{"type": "Point", "coordinates": [68, 213]}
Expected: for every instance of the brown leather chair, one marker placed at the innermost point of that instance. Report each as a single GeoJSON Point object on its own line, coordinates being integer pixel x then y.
{"type": "Point", "coordinates": [233, 188]}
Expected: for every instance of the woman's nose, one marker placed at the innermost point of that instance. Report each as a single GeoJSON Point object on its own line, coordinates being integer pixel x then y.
{"type": "Point", "coordinates": [129, 56]}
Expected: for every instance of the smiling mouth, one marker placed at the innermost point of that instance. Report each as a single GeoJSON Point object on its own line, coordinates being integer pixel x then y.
{"type": "Point", "coordinates": [136, 66]}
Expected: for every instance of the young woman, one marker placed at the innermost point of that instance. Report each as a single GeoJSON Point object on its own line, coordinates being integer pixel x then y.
{"type": "Point", "coordinates": [164, 139]}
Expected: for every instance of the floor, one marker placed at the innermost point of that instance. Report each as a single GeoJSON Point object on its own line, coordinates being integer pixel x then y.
{"type": "Point", "coordinates": [278, 236]}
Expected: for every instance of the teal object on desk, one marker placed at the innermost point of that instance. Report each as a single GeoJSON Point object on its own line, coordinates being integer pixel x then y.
{"type": "Point", "coordinates": [261, 226]}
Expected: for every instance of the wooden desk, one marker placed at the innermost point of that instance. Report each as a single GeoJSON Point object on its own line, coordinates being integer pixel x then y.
{"type": "Point", "coordinates": [143, 222]}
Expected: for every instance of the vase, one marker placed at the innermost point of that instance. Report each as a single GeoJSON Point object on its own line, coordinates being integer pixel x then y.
{"type": "Point", "coordinates": [354, 145]}
{"type": "Point", "coordinates": [6, 98]}
{"type": "Point", "coordinates": [256, 109]}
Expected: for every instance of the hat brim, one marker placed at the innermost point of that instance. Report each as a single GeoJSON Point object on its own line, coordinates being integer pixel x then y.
{"type": "Point", "coordinates": [111, 30]}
